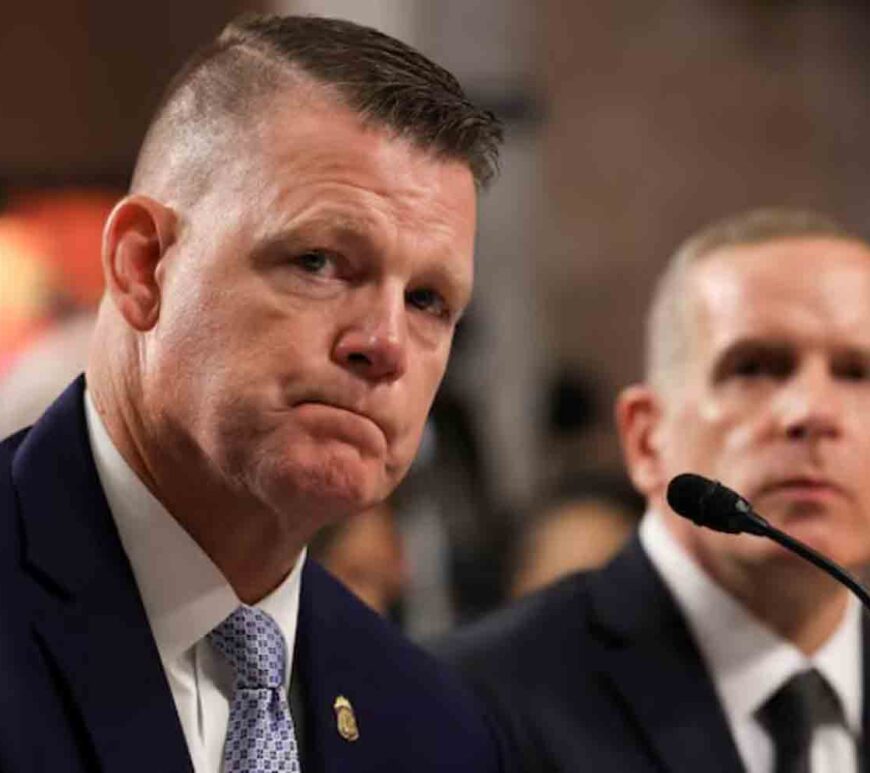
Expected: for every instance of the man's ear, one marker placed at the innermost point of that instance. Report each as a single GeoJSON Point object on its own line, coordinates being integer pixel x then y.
{"type": "Point", "coordinates": [137, 235]}
{"type": "Point", "coordinates": [639, 420]}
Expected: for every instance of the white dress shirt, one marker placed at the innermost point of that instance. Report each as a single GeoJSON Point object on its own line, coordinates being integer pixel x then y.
{"type": "Point", "coordinates": [749, 662]}
{"type": "Point", "coordinates": [185, 596]}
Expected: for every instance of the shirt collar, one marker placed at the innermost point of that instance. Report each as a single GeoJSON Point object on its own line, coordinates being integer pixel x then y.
{"type": "Point", "coordinates": [184, 593]}
{"type": "Point", "coordinates": [748, 661]}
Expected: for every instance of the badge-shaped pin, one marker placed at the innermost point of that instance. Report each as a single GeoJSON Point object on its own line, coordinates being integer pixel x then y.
{"type": "Point", "coordinates": [345, 719]}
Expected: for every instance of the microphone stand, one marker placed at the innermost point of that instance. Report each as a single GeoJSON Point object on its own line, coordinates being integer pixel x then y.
{"type": "Point", "coordinates": [817, 559]}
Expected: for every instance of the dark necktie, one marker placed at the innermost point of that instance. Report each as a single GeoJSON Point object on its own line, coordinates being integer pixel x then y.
{"type": "Point", "coordinates": [792, 713]}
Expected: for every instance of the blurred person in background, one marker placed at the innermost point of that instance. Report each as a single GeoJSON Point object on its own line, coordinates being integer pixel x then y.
{"type": "Point", "coordinates": [581, 528]}
{"type": "Point", "coordinates": [365, 552]}
{"type": "Point", "coordinates": [283, 283]}
{"type": "Point", "coordinates": [696, 650]}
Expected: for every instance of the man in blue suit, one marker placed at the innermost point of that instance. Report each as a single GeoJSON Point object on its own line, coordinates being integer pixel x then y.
{"type": "Point", "coordinates": [695, 650]}
{"type": "Point", "coordinates": [283, 283]}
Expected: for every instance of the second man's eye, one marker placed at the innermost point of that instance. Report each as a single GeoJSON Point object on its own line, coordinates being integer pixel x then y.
{"type": "Point", "coordinates": [748, 367]}
{"type": "Point", "coordinates": [851, 369]}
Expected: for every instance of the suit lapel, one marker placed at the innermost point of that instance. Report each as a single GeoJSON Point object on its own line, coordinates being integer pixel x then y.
{"type": "Point", "coordinates": [864, 741]}
{"type": "Point", "coordinates": [328, 662]}
{"type": "Point", "coordinates": [655, 667]}
{"type": "Point", "coordinates": [88, 617]}
{"type": "Point", "coordinates": [326, 675]}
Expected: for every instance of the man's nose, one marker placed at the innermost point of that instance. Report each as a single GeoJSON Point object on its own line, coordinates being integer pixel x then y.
{"type": "Point", "coordinates": [374, 343]}
{"type": "Point", "coordinates": [809, 405]}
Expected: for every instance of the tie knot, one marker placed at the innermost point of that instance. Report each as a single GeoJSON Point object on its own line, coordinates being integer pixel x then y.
{"type": "Point", "coordinates": [252, 643]}
{"type": "Point", "coordinates": [803, 703]}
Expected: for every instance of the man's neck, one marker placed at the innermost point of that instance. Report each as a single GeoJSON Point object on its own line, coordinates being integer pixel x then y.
{"type": "Point", "coordinates": [254, 547]}
{"type": "Point", "coordinates": [798, 602]}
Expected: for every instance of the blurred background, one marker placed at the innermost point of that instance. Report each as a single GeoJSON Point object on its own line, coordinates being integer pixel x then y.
{"type": "Point", "coordinates": [628, 125]}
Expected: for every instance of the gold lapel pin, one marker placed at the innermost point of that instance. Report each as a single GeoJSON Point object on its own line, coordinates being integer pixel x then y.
{"type": "Point", "coordinates": [345, 719]}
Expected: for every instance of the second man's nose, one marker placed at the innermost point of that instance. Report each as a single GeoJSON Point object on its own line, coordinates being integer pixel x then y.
{"type": "Point", "coordinates": [809, 406]}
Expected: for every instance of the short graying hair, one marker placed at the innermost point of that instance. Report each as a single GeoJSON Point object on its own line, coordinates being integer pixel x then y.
{"type": "Point", "coordinates": [385, 81]}
{"type": "Point", "coordinates": [667, 329]}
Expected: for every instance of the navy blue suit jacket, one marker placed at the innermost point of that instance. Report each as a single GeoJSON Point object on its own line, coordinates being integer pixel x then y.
{"type": "Point", "coordinates": [599, 672]}
{"type": "Point", "coordinates": [81, 684]}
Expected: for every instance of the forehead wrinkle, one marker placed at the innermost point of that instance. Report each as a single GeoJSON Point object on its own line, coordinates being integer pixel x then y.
{"type": "Point", "coordinates": [290, 217]}
{"type": "Point", "coordinates": [376, 214]}
{"type": "Point", "coordinates": [361, 206]}
{"type": "Point", "coordinates": [375, 149]}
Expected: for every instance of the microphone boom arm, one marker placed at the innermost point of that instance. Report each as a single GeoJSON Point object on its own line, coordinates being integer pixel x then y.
{"type": "Point", "coordinates": [712, 505]}
{"type": "Point", "coordinates": [817, 559]}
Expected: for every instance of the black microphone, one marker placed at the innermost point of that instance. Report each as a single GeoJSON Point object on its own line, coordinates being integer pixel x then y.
{"type": "Point", "coordinates": [709, 503]}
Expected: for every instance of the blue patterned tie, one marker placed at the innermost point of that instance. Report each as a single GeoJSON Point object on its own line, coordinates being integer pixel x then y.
{"type": "Point", "coordinates": [260, 735]}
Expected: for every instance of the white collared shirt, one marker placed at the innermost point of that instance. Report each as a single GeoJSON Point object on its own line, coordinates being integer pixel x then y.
{"type": "Point", "coordinates": [749, 662]}
{"type": "Point", "coordinates": [185, 596]}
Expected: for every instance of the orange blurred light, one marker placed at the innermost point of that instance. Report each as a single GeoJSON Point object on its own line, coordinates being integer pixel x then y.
{"type": "Point", "coordinates": [72, 222]}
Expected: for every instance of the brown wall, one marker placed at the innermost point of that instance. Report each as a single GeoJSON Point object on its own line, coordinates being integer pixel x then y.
{"type": "Point", "coordinates": [78, 79]}
{"type": "Point", "coordinates": [663, 116]}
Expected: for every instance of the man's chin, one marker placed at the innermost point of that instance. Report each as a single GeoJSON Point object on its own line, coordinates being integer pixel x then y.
{"type": "Point", "coordinates": [327, 492]}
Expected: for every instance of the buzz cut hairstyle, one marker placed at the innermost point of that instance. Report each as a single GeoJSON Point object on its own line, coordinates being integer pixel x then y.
{"type": "Point", "coordinates": [668, 321]}
{"type": "Point", "coordinates": [386, 82]}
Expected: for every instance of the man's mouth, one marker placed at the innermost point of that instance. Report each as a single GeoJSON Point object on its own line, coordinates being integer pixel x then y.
{"type": "Point", "coordinates": [343, 408]}
{"type": "Point", "coordinates": [802, 487]}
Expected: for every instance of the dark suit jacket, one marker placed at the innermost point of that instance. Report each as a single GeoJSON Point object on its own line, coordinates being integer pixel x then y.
{"type": "Point", "coordinates": [81, 684]}
{"type": "Point", "coordinates": [600, 673]}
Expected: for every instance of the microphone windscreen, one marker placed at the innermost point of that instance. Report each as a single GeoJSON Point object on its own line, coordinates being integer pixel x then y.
{"type": "Point", "coordinates": [709, 503]}
{"type": "Point", "coordinates": [687, 491]}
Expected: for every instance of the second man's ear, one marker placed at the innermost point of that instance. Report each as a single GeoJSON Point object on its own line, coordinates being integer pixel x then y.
{"type": "Point", "coordinates": [137, 235]}
{"type": "Point", "coordinates": [638, 420]}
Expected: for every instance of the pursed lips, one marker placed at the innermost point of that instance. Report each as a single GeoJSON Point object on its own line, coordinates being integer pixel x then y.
{"type": "Point", "coordinates": [342, 406]}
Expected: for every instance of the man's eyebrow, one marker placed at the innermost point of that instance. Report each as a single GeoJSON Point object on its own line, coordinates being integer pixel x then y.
{"type": "Point", "coordinates": [765, 348]}
{"type": "Point", "coordinates": [775, 344]}
{"type": "Point", "coordinates": [339, 224]}
{"type": "Point", "coordinates": [852, 350]}
{"type": "Point", "coordinates": [758, 344]}
{"type": "Point", "coordinates": [774, 349]}
{"type": "Point", "coordinates": [318, 231]}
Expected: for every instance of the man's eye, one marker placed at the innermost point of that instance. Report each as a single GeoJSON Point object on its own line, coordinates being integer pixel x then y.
{"type": "Point", "coordinates": [748, 367]}
{"type": "Point", "coordinates": [852, 370]}
{"type": "Point", "coordinates": [313, 262]}
{"type": "Point", "coordinates": [770, 365]}
{"type": "Point", "coordinates": [428, 300]}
